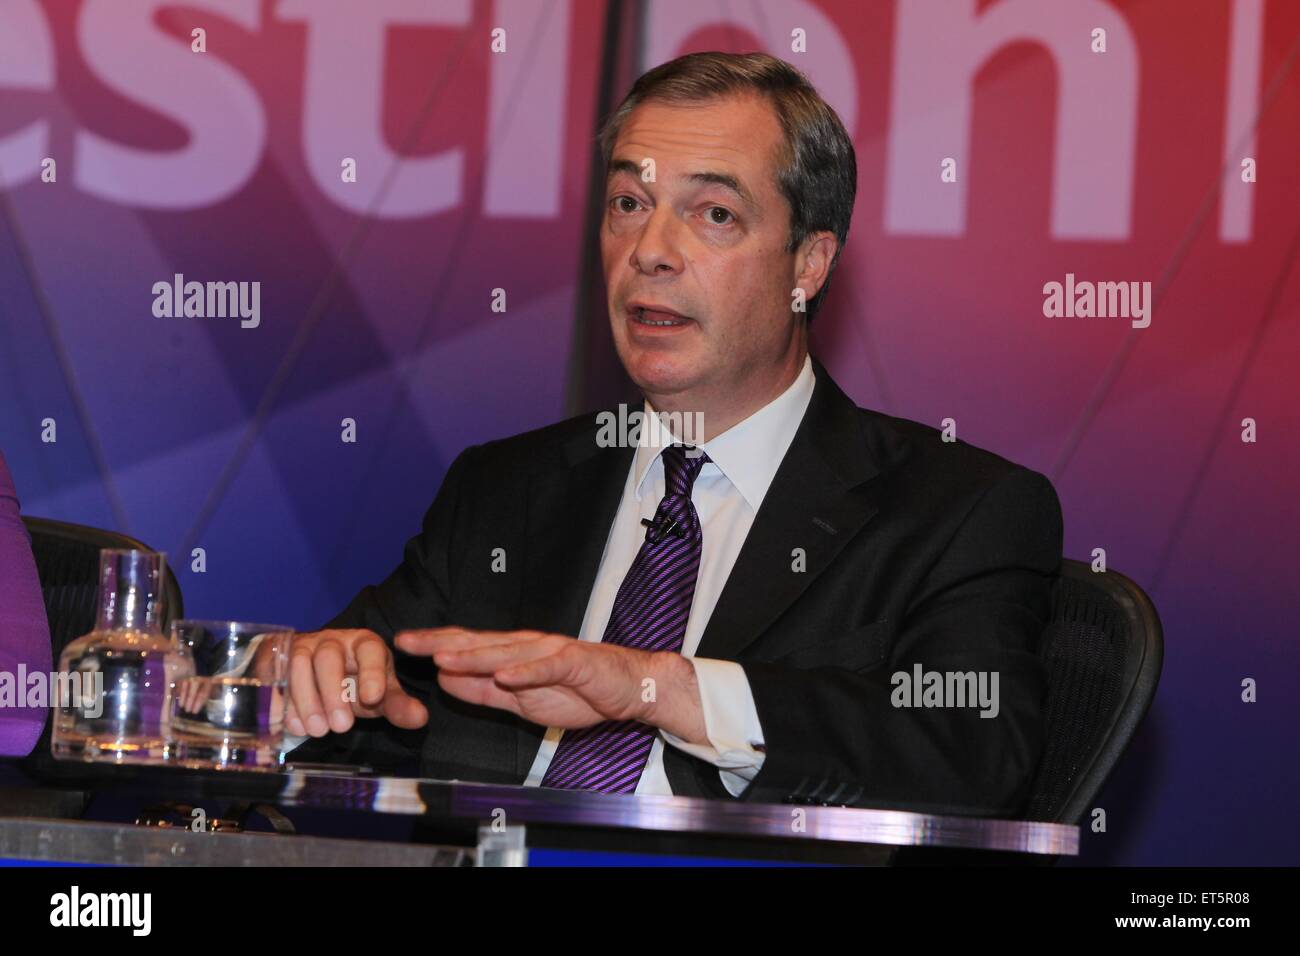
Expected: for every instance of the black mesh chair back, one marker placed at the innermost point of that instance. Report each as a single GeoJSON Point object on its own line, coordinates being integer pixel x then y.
{"type": "Point", "coordinates": [1103, 649]}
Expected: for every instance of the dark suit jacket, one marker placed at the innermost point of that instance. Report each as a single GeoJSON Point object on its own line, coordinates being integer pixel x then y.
{"type": "Point", "coordinates": [917, 551]}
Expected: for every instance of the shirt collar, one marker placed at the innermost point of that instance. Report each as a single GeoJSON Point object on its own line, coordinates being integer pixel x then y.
{"type": "Point", "coordinates": [749, 452]}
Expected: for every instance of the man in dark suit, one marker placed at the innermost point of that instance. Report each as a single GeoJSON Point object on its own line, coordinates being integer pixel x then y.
{"type": "Point", "coordinates": [795, 600]}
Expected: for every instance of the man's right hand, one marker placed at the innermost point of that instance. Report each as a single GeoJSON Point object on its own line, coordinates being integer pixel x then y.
{"type": "Point", "coordinates": [321, 661]}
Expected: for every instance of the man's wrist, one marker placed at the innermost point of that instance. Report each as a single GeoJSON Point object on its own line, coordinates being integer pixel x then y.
{"type": "Point", "coordinates": [671, 701]}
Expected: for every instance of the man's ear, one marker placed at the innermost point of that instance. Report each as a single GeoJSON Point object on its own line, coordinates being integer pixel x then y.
{"type": "Point", "coordinates": [813, 262]}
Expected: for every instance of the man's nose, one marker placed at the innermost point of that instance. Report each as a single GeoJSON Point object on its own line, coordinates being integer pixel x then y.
{"type": "Point", "coordinates": [657, 247]}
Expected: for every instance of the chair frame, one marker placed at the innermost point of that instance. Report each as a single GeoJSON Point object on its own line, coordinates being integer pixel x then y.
{"type": "Point", "coordinates": [1143, 660]}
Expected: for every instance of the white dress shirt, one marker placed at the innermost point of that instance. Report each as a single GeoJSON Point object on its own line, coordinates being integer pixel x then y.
{"type": "Point", "coordinates": [727, 494]}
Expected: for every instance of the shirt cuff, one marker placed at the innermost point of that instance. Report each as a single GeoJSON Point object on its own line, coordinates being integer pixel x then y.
{"type": "Point", "coordinates": [731, 723]}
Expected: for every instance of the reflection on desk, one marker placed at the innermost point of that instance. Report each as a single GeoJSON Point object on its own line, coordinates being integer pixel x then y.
{"type": "Point", "coordinates": [590, 820]}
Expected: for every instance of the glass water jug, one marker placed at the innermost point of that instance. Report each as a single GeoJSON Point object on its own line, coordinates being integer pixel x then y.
{"type": "Point", "coordinates": [114, 699]}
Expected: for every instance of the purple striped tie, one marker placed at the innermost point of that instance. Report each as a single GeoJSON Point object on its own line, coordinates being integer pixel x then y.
{"type": "Point", "coordinates": [650, 613]}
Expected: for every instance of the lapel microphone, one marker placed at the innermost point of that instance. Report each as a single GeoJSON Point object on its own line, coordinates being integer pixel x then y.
{"type": "Point", "coordinates": [660, 530]}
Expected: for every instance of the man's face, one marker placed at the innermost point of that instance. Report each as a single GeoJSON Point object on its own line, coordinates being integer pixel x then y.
{"type": "Point", "coordinates": [705, 240]}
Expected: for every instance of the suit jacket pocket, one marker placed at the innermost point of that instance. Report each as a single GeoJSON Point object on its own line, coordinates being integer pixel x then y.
{"type": "Point", "coordinates": [857, 648]}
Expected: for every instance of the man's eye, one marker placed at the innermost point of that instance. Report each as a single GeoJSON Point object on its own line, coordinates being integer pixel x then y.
{"type": "Point", "coordinates": [723, 220]}
{"type": "Point", "coordinates": [618, 204]}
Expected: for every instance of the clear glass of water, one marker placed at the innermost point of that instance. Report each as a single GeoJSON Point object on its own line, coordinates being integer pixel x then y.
{"type": "Point", "coordinates": [230, 713]}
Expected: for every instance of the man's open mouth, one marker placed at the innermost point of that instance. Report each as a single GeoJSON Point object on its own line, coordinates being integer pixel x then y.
{"type": "Point", "coordinates": [656, 318]}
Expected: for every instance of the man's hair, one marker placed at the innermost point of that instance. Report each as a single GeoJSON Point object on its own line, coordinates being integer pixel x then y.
{"type": "Point", "coordinates": [817, 169]}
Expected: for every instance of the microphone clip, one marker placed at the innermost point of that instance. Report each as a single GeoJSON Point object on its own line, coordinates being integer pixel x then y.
{"type": "Point", "coordinates": [661, 529]}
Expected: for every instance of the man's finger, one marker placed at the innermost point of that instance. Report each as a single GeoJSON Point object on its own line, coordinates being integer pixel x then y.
{"type": "Point", "coordinates": [493, 657]}
{"type": "Point", "coordinates": [302, 690]}
{"type": "Point", "coordinates": [556, 668]}
{"type": "Point", "coordinates": [330, 665]}
{"type": "Point", "coordinates": [374, 664]}
{"type": "Point", "coordinates": [474, 689]}
{"type": "Point", "coordinates": [292, 723]}
{"type": "Point", "coordinates": [427, 642]}
{"type": "Point", "coordinates": [401, 709]}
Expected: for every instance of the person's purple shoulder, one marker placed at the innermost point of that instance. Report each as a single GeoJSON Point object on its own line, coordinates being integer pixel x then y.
{"type": "Point", "coordinates": [24, 631]}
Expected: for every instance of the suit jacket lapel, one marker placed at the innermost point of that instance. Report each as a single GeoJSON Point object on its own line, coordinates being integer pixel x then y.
{"type": "Point", "coordinates": [819, 499]}
{"type": "Point", "coordinates": [573, 501]}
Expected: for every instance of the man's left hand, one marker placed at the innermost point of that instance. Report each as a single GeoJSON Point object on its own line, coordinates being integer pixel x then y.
{"type": "Point", "coordinates": [557, 681]}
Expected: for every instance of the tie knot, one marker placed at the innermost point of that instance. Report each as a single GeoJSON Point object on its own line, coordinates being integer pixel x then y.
{"type": "Point", "coordinates": [681, 466]}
